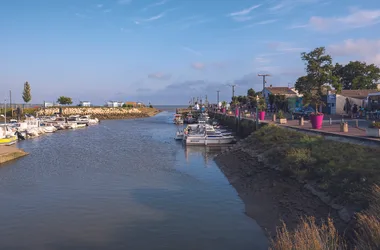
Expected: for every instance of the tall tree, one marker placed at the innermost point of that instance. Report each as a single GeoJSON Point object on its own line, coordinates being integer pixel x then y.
{"type": "Point", "coordinates": [319, 71]}
{"type": "Point", "coordinates": [26, 94]}
{"type": "Point", "coordinates": [64, 100]}
{"type": "Point", "coordinates": [357, 75]}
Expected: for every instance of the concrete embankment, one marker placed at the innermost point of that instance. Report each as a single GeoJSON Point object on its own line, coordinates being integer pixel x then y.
{"type": "Point", "coordinates": [282, 175]}
{"type": "Point", "coordinates": [9, 153]}
{"type": "Point", "coordinates": [102, 113]}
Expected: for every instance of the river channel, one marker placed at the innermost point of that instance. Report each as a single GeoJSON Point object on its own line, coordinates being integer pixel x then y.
{"type": "Point", "coordinates": [123, 184]}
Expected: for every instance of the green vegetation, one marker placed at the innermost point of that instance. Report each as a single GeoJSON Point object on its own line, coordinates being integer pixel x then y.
{"type": "Point", "coordinates": [280, 115]}
{"type": "Point", "coordinates": [261, 105]}
{"type": "Point", "coordinates": [311, 236]}
{"type": "Point", "coordinates": [64, 100]}
{"type": "Point", "coordinates": [375, 125]}
{"type": "Point", "coordinates": [26, 94]}
{"type": "Point", "coordinates": [345, 171]}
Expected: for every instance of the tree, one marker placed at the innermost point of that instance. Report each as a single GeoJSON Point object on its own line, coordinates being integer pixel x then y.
{"type": "Point", "coordinates": [357, 75]}
{"type": "Point", "coordinates": [64, 100]}
{"type": "Point", "coordinates": [271, 99]}
{"type": "Point", "coordinates": [251, 93]}
{"type": "Point", "coordinates": [26, 94]}
{"type": "Point", "coordinates": [319, 71]}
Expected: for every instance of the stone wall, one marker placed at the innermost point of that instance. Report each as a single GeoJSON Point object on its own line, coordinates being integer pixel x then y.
{"type": "Point", "coordinates": [101, 112]}
{"type": "Point", "coordinates": [242, 127]}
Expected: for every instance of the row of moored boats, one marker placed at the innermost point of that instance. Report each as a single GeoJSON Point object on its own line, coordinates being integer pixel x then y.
{"type": "Point", "coordinates": [33, 127]}
{"type": "Point", "coordinates": [203, 133]}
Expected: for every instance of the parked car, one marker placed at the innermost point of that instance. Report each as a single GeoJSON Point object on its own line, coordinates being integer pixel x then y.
{"type": "Point", "coordinates": [302, 112]}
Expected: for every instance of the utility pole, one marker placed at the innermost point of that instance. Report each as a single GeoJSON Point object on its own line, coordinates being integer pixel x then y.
{"type": "Point", "coordinates": [233, 90]}
{"type": "Point", "coordinates": [264, 81]}
{"type": "Point", "coordinates": [217, 98]}
{"type": "Point", "coordinates": [206, 101]}
{"type": "Point", "coordinates": [10, 99]}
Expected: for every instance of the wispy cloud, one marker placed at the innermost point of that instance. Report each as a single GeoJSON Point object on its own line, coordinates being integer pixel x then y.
{"type": "Point", "coordinates": [150, 19]}
{"type": "Point", "coordinates": [267, 21]}
{"type": "Point", "coordinates": [107, 10]}
{"type": "Point", "coordinates": [99, 6]}
{"type": "Point", "coordinates": [192, 51]}
{"type": "Point", "coordinates": [298, 26]}
{"type": "Point", "coordinates": [356, 19]}
{"type": "Point", "coordinates": [81, 15]}
{"type": "Point", "coordinates": [243, 15]}
{"type": "Point", "coordinates": [288, 5]}
{"type": "Point", "coordinates": [159, 76]}
{"type": "Point", "coordinates": [155, 4]}
{"type": "Point", "coordinates": [244, 11]}
{"type": "Point", "coordinates": [198, 66]}
{"type": "Point", "coordinates": [124, 1]}
{"type": "Point", "coordinates": [365, 49]}
{"type": "Point", "coordinates": [285, 47]}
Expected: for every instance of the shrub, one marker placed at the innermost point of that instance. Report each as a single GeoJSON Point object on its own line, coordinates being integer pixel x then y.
{"type": "Point", "coordinates": [374, 125]}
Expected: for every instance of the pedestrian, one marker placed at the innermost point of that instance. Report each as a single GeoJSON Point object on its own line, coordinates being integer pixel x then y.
{"type": "Point", "coordinates": [355, 111]}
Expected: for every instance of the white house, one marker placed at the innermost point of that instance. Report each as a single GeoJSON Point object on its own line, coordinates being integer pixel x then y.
{"type": "Point", "coordinates": [48, 104]}
{"type": "Point", "coordinates": [85, 104]}
{"type": "Point", "coordinates": [114, 104]}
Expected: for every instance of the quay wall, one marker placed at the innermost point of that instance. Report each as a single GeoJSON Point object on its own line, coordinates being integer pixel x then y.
{"type": "Point", "coordinates": [102, 113]}
{"type": "Point", "coordinates": [242, 127]}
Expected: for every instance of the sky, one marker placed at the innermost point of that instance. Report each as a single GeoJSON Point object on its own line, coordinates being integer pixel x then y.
{"type": "Point", "coordinates": [168, 51]}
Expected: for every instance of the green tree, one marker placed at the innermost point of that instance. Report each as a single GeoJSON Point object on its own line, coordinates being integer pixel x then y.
{"type": "Point", "coordinates": [319, 71]}
{"type": "Point", "coordinates": [357, 75]}
{"type": "Point", "coordinates": [64, 100]}
{"type": "Point", "coordinates": [251, 93]}
{"type": "Point", "coordinates": [271, 99]}
{"type": "Point", "coordinates": [26, 94]}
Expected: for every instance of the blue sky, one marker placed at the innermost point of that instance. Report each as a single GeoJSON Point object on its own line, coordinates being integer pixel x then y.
{"type": "Point", "coordinates": [166, 51]}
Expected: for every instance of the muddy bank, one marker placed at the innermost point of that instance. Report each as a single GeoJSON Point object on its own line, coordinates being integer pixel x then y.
{"type": "Point", "coordinates": [102, 113]}
{"type": "Point", "coordinates": [282, 175]}
{"type": "Point", "coordinates": [270, 197]}
{"type": "Point", "coordinates": [9, 153]}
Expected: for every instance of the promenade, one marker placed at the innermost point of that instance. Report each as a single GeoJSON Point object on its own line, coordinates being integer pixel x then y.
{"type": "Point", "coordinates": [331, 129]}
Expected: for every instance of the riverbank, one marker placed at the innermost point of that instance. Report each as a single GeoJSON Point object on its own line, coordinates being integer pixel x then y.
{"type": "Point", "coordinates": [282, 175]}
{"type": "Point", "coordinates": [9, 153]}
{"type": "Point", "coordinates": [102, 113]}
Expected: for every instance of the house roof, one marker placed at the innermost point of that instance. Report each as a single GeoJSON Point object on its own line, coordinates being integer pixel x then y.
{"type": "Point", "coordinates": [281, 91]}
{"type": "Point", "coordinates": [358, 94]}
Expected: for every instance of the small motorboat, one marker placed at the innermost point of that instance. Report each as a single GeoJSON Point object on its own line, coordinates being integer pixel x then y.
{"type": "Point", "coordinates": [179, 135]}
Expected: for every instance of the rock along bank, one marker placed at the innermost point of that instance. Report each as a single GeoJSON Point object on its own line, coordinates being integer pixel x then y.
{"type": "Point", "coordinates": [102, 113]}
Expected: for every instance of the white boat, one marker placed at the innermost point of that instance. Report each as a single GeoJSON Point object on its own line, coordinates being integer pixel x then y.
{"type": "Point", "coordinates": [179, 135]}
{"type": "Point", "coordinates": [207, 140]}
{"type": "Point", "coordinates": [74, 125]}
{"type": "Point", "coordinates": [178, 119]}
{"type": "Point", "coordinates": [205, 134]}
{"type": "Point", "coordinates": [49, 129]}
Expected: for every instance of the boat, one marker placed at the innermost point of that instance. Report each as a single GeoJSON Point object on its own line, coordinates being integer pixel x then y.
{"type": "Point", "coordinates": [205, 134]}
{"type": "Point", "coordinates": [178, 119]}
{"type": "Point", "coordinates": [74, 125]}
{"type": "Point", "coordinates": [189, 118]}
{"type": "Point", "coordinates": [179, 135]}
{"type": "Point", "coordinates": [7, 136]}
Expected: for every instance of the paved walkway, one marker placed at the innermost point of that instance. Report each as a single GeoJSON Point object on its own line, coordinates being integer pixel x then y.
{"type": "Point", "coordinates": [354, 133]}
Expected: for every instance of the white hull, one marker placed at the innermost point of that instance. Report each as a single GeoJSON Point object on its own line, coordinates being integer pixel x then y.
{"type": "Point", "coordinates": [207, 141]}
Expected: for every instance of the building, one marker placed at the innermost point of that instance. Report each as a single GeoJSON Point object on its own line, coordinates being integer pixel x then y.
{"type": "Point", "coordinates": [351, 97]}
{"type": "Point", "coordinates": [287, 92]}
{"type": "Point", "coordinates": [48, 104]}
{"type": "Point", "coordinates": [85, 104]}
{"type": "Point", "coordinates": [293, 98]}
{"type": "Point", "coordinates": [114, 104]}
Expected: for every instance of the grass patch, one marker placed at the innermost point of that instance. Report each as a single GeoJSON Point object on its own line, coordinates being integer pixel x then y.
{"type": "Point", "coordinates": [345, 171]}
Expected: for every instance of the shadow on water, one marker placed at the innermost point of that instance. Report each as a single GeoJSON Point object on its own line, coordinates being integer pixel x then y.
{"type": "Point", "coordinates": [124, 184]}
